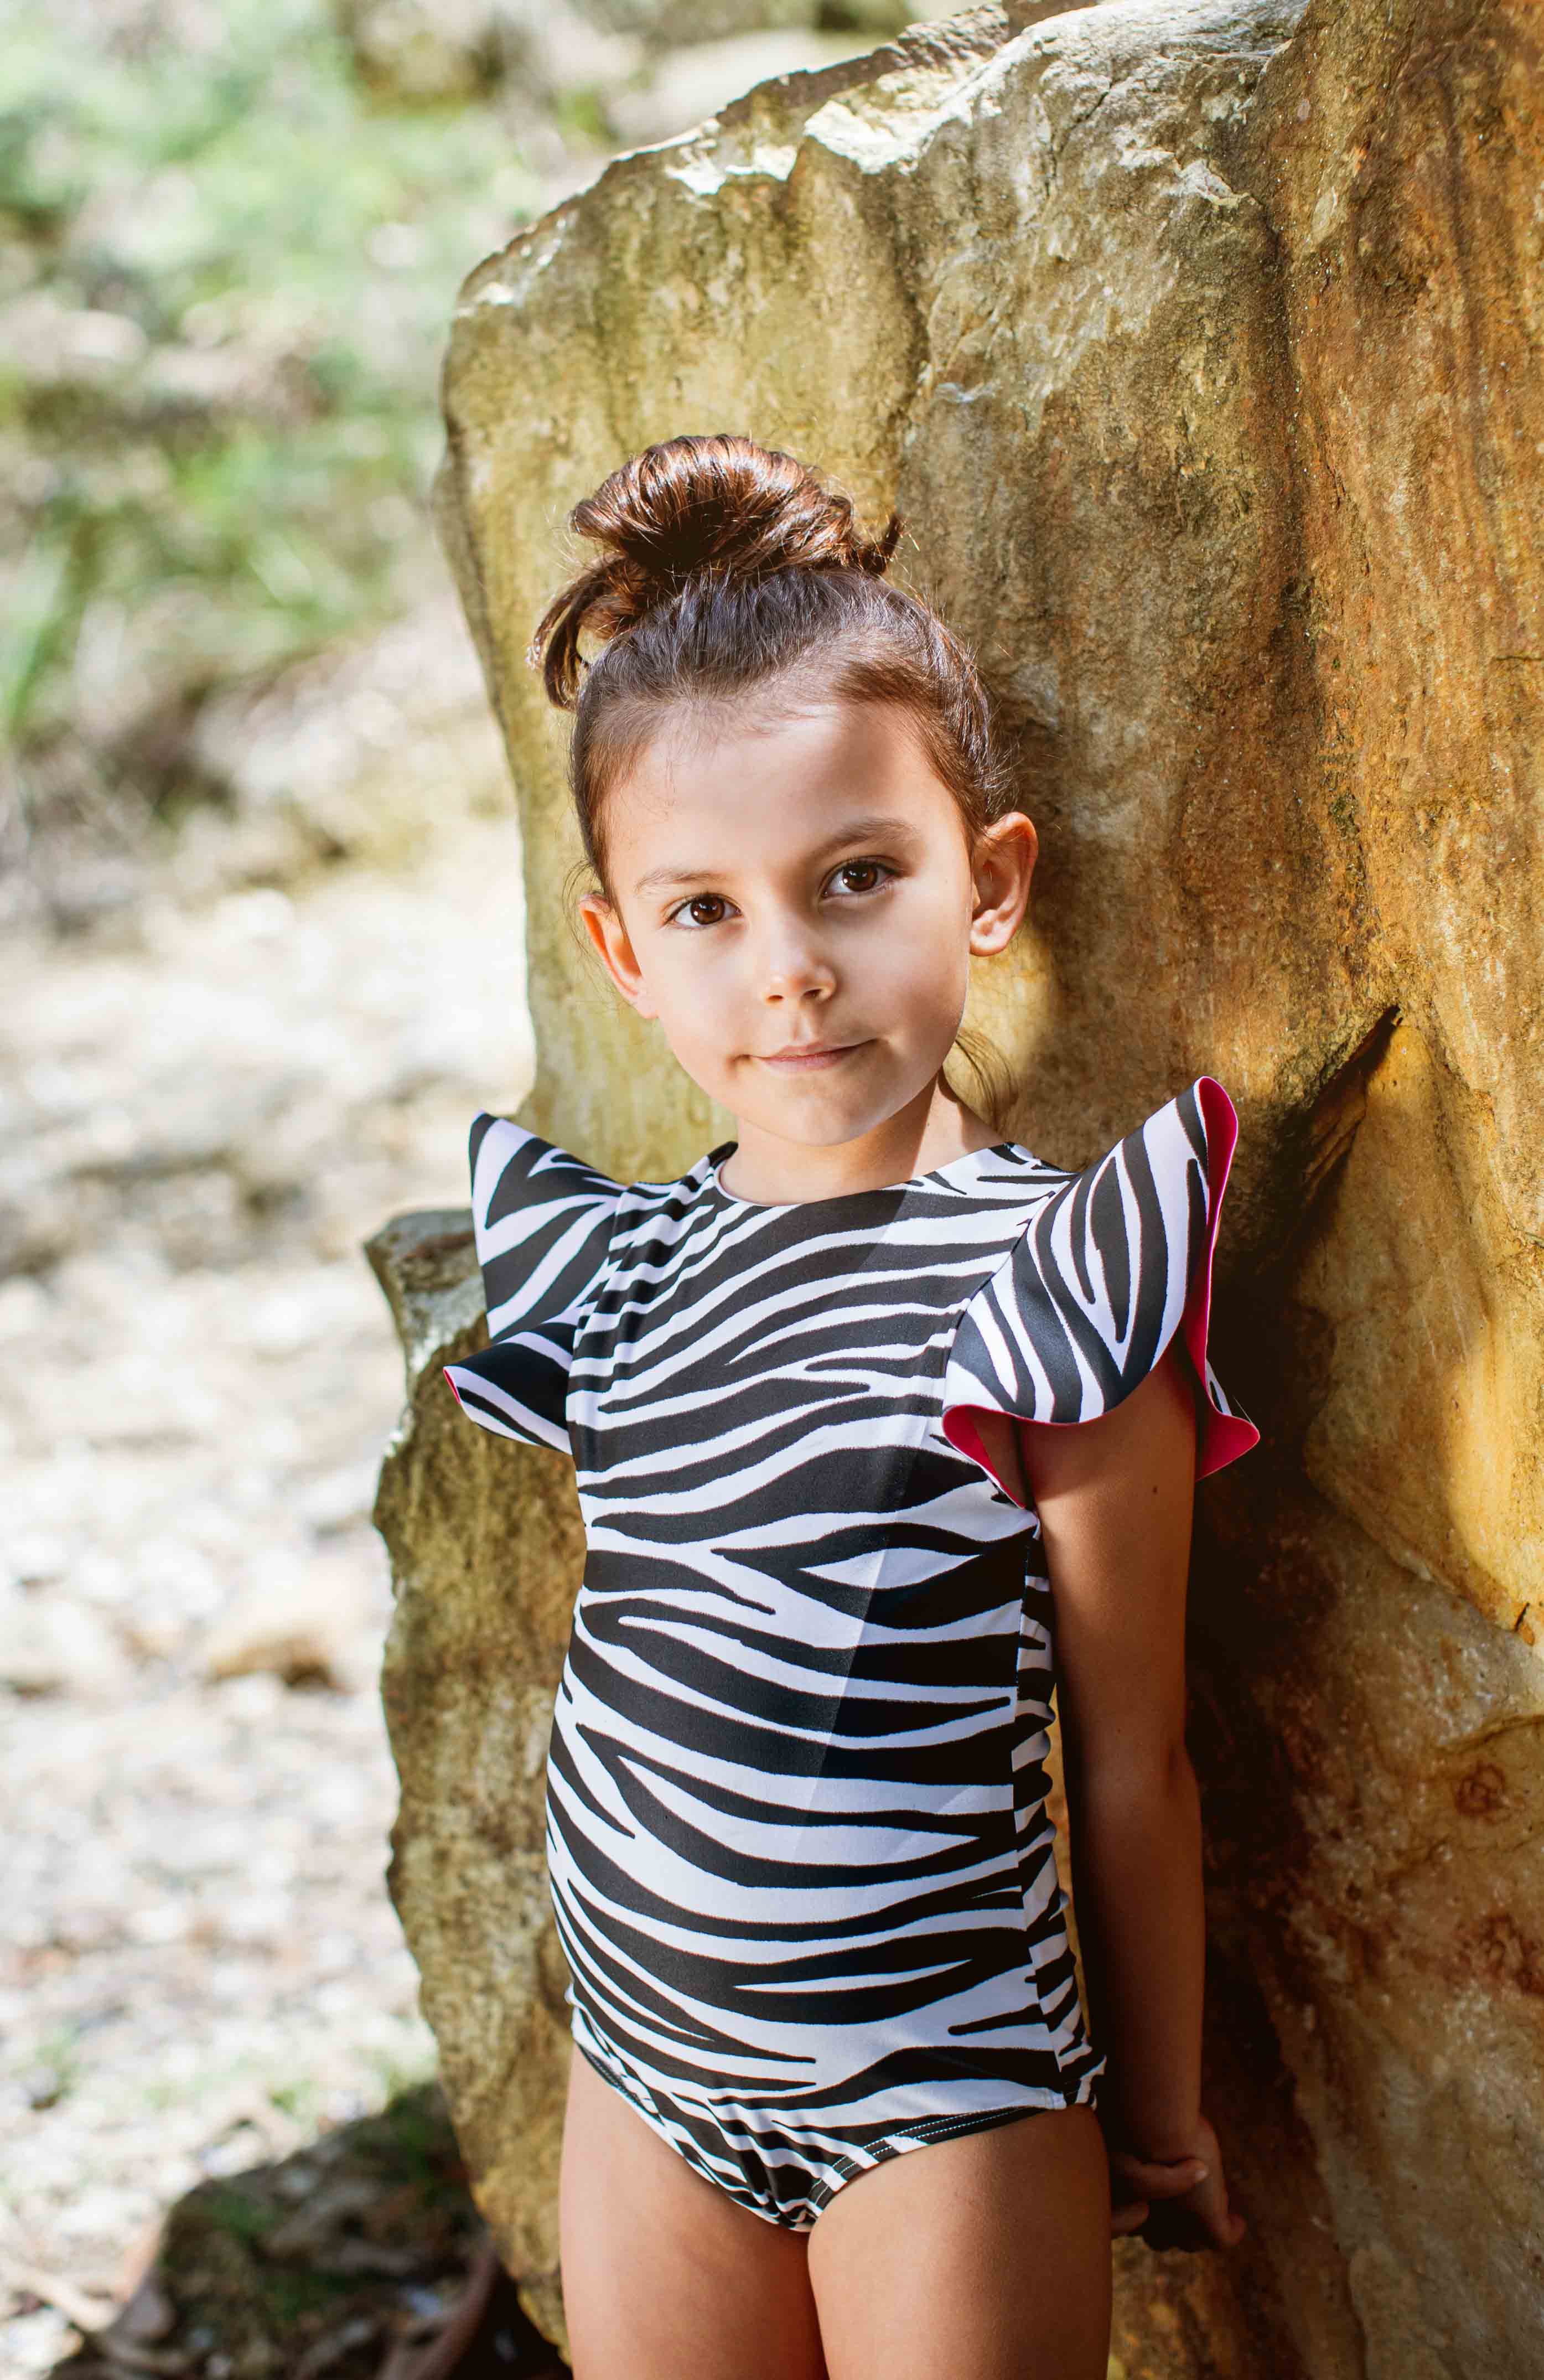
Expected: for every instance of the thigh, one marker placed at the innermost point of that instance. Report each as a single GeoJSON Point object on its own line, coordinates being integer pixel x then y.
{"type": "Point", "coordinates": [665, 2277]}
{"type": "Point", "coordinates": [989, 2254]}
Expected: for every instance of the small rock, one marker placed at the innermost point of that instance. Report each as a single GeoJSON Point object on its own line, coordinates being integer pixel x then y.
{"type": "Point", "coordinates": [338, 1497]}
{"type": "Point", "coordinates": [303, 1633]}
{"type": "Point", "coordinates": [149, 2314]}
{"type": "Point", "coordinates": [50, 1645]}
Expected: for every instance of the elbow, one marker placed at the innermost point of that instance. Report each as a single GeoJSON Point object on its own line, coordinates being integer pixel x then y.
{"type": "Point", "coordinates": [1177, 1771]}
{"type": "Point", "coordinates": [1148, 1777]}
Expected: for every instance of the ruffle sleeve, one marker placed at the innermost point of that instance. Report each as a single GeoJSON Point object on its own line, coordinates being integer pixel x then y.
{"type": "Point", "coordinates": [542, 1221]}
{"type": "Point", "coordinates": [1115, 1261]}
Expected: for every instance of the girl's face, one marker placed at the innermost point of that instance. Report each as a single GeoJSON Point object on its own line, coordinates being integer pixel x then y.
{"type": "Point", "coordinates": [796, 903]}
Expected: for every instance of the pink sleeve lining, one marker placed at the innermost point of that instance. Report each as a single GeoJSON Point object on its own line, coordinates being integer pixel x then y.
{"type": "Point", "coordinates": [1084, 1307]}
{"type": "Point", "coordinates": [1224, 1433]}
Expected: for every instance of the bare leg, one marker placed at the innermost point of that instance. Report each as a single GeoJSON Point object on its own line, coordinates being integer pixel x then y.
{"type": "Point", "coordinates": [987, 2255]}
{"type": "Point", "coordinates": [664, 2277]}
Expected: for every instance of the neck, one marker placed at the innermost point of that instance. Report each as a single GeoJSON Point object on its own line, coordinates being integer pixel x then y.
{"type": "Point", "coordinates": [929, 1131]}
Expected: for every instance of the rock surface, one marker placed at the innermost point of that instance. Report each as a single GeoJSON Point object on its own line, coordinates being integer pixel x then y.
{"type": "Point", "coordinates": [1199, 343]}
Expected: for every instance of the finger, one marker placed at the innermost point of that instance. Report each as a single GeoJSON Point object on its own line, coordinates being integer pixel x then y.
{"type": "Point", "coordinates": [1221, 2219]}
{"type": "Point", "coordinates": [1129, 2217]}
{"type": "Point", "coordinates": [1162, 2181]}
{"type": "Point", "coordinates": [1157, 2165]}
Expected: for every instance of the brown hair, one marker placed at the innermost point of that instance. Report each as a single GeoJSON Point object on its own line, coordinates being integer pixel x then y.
{"type": "Point", "coordinates": [725, 565]}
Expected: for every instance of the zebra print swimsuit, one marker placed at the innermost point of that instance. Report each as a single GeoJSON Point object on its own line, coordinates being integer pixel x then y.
{"type": "Point", "coordinates": [800, 1860]}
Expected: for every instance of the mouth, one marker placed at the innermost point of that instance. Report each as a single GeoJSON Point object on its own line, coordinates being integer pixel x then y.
{"type": "Point", "coordinates": [808, 1057]}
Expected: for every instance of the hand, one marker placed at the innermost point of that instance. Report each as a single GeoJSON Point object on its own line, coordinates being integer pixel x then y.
{"type": "Point", "coordinates": [1192, 2197]}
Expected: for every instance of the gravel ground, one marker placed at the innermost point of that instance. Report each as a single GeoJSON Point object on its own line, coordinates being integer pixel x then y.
{"type": "Point", "coordinates": [207, 1100]}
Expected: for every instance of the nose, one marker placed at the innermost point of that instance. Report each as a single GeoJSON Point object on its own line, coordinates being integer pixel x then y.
{"type": "Point", "coordinates": [793, 968]}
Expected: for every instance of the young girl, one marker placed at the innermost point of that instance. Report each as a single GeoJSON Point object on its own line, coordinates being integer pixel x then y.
{"type": "Point", "coordinates": [882, 1422]}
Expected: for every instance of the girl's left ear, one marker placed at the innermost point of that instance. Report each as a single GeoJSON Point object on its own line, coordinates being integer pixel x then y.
{"type": "Point", "coordinates": [1000, 869]}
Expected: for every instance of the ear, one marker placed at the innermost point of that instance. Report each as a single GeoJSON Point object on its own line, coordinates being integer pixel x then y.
{"type": "Point", "coordinates": [603, 925]}
{"type": "Point", "coordinates": [1001, 868]}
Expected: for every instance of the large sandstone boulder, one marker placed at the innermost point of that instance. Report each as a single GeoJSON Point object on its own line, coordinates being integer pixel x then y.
{"type": "Point", "coordinates": [1200, 345]}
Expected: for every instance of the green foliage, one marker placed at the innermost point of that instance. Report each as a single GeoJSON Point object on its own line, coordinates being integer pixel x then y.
{"type": "Point", "coordinates": [240, 2213]}
{"type": "Point", "coordinates": [300, 2100]}
{"type": "Point", "coordinates": [581, 115]}
{"type": "Point", "coordinates": [56, 2066]}
{"type": "Point", "coordinates": [289, 2296]}
{"type": "Point", "coordinates": [220, 427]}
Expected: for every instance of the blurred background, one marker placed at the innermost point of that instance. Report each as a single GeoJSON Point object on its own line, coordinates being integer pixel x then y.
{"type": "Point", "coordinates": [260, 945]}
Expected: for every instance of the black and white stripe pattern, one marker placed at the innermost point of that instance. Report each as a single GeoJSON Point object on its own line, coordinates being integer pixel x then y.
{"type": "Point", "coordinates": [542, 1219]}
{"type": "Point", "coordinates": [800, 1860]}
{"type": "Point", "coordinates": [1109, 1266]}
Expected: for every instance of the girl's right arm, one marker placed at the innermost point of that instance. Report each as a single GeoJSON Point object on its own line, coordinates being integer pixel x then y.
{"type": "Point", "coordinates": [1115, 1498]}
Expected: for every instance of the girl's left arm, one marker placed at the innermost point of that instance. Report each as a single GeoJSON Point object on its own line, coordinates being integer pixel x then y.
{"type": "Point", "coordinates": [1115, 1498]}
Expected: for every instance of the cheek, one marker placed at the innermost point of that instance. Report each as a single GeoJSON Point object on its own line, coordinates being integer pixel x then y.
{"type": "Point", "coordinates": [926, 943]}
{"type": "Point", "coordinates": [690, 979]}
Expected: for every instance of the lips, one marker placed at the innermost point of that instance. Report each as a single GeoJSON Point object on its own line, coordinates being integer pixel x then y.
{"type": "Point", "coordinates": [800, 1055]}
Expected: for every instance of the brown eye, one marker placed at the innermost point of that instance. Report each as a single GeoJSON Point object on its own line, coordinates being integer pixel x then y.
{"type": "Point", "coordinates": [869, 874]}
{"type": "Point", "coordinates": [691, 911]}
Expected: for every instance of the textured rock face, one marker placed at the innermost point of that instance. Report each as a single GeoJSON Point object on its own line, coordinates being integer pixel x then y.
{"type": "Point", "coordinates": [1200, 345]}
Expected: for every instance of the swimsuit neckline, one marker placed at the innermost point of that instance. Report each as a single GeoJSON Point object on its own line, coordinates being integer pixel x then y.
{"type": "Point", "coordinates": [954, 1170]}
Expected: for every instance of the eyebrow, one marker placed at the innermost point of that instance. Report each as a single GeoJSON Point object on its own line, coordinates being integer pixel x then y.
{"type": "Point", "coordinates": [865, 830]}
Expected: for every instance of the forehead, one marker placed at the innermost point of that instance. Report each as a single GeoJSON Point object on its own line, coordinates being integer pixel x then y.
{"type": "Point", "coordinates": [713, 785]}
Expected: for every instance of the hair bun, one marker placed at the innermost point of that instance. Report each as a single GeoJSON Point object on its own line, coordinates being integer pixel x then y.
{"type": "Point", "coordinates": [693, 507]}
